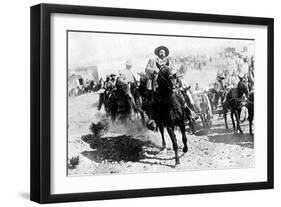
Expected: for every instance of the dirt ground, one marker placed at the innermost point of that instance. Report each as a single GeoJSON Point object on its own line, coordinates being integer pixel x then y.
{"type": "Point", "coordinates": [130, 148]}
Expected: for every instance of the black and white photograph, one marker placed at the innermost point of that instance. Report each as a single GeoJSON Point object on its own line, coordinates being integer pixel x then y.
{"type": "Point", "coordinates": [150, 103]}
{"type": "Point", "coordinates": [140, 103]}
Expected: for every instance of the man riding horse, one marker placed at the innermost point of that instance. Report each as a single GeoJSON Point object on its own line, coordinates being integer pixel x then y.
{"type": "Point", "coordinates": [128, 82]}
{"type": "Point", "coordinates": [234, 100]}
{"type": "Point", "coordinates": [153, 67]}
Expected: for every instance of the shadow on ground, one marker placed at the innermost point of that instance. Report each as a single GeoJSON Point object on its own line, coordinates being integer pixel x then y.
{"type": "Point", "coordinates": [243, 140]}
{"type": "Point", "coordinates": [218, 134]}
{"type": "Point", "coordinates": [120, 148]}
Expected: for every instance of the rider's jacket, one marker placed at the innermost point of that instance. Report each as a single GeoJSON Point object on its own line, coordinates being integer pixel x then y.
{"type": "Point", "coordinates": [127, 76]}
{"type": "Point", "coordinates": [218, 85]}
{"type": "Point", "coordinates": [153, 66]}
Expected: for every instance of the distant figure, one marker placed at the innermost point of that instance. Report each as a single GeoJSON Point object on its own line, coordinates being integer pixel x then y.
{"type": "Point", "coordinates": [113, 77]}
{"type": "Point", "coordinates": [218, 88]}
{"type": "Point", "coordinates": [80, 82]}
{"type": "Point", "coordinates": [108, 85]}
{"type": "Point", "coordinates": [233, 79]}
{"type": "Point", "coordinates": [91, 85]}
{"type": "Point", "coordinates": [197, 87]}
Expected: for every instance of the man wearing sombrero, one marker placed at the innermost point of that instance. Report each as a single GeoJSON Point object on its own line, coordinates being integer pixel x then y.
{"type": "Point", "coordinates": [152, 68]}
{"type": "Point", "coordinates": [218, 88]}
{"type": "Point", "coordinates": [154, 65]}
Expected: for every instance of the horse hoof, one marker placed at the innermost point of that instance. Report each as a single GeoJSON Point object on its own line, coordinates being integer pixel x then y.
{"type": "Point", "coordinates": [177, 162]}
{"type": "Point", "coordinates": [185, 149]}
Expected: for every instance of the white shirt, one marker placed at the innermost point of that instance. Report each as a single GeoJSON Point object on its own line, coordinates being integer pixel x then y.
{"type": "Point", "coordinates": [128, 76]}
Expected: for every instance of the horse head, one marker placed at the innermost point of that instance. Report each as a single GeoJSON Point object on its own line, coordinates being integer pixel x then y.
{"type": "Point", "coordinates": [166, 80]}
{"type": "Point", "coordinates": [243, 90]}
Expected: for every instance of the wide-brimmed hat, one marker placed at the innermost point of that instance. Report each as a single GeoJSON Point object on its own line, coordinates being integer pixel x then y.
{"type": "Point", "coordinates": [157, 50]}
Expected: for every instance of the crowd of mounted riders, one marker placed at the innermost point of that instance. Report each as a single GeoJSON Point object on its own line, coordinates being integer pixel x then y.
{"type": "Point", "coordinates": [241, 70]}
{"type": "Point", "coordinates": [162, 100]}
{"type": "Point", "coordinates": [132, 95]}
{"type": "Point", "coordinates": [123, 94]}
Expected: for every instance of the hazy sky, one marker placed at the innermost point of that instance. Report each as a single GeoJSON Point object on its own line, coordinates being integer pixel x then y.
{"type": "Point", "coordinates": [100, 48]}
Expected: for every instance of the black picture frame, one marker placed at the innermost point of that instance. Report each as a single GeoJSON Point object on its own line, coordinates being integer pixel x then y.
{"type": "Point", "coordinates": [41, 99]}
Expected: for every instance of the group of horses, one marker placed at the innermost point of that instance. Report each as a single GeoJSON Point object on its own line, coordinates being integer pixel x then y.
{"type": "Point", "coordinates": [167, 106]}
{"type": "Point", "coordinates": [233, 99]}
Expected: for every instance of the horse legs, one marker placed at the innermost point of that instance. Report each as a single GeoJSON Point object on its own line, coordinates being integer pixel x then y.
{"type": "Point", "coordinates": [232, 119]}
{"type": "Point", "coordinates": [142, 116]}
{"type": "Point", "coordinates": [191, 125]}
{"type": "Point", "coordinates": [184, 139]}
{"type": "Point", "coordinates": [251, 116]}
{"type": "Point", "coordinates": [204, 120]}
{"type": "Point", "coordinates": [250, 123]}
{"type": "Point", "coordinates": [101, 101]}
{"type": "Point", "coordinates": [161, 129]}
{"type": "Point", "coordinates": [236, 113]}
{"type": "Point", "coordinates": [175, 144]}
{"type": "Point", "coordinates": [225, 117]}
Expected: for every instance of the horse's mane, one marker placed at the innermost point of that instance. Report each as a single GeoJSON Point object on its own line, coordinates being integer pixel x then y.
{"type": "Point", "coordinates": [242, 88]}
{"type": "Point", "coordinates": [165, 79]}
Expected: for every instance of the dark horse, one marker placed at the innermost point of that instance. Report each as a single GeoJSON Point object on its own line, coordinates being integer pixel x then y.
{"type": "Point", "coordinates": [233, 102]}
{"type": "Point", "coordinates": [168, 109]}
{"type": "Point", "coordinates": [125, 101]}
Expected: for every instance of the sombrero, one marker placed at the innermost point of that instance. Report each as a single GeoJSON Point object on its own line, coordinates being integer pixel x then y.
{"type": "Point", "coordinates": [157, 50]}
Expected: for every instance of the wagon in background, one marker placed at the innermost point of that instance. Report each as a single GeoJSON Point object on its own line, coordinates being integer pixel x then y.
{"type": "Point", "coordinates": [203, 107]}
